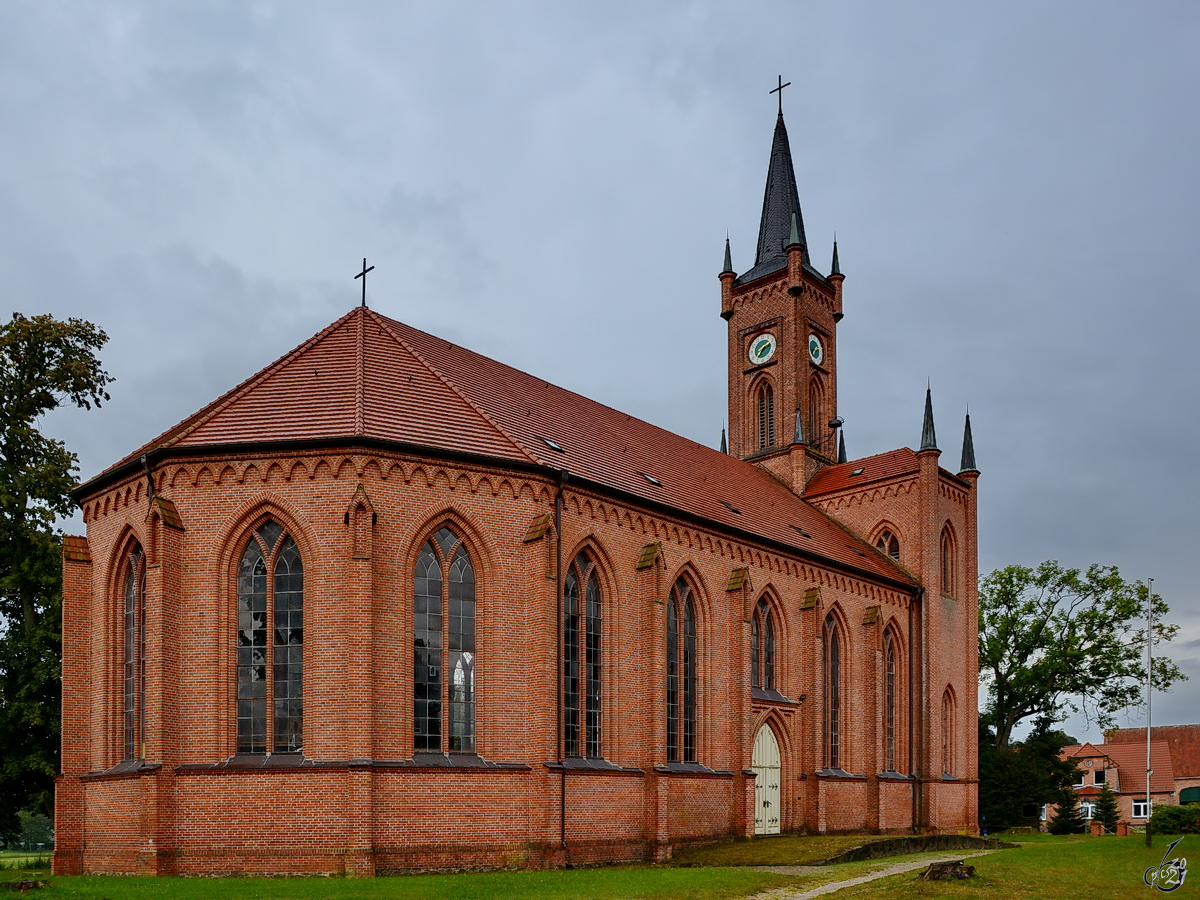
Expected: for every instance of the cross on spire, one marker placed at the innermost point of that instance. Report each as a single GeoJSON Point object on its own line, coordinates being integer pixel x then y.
{"type": "Point", "coordinates": [363, 276]}
{"type": "Point", "coordinates": [779, 90]}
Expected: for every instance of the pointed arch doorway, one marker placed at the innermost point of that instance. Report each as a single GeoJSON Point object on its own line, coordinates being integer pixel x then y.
{"type": "Point", "coordinates": [766, 765]}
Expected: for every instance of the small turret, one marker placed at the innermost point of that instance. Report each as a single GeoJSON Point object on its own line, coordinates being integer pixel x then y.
{"type": "Point", "coordinates": [968, 450]}
{"type": "Point", "coordinates": [928, 436]}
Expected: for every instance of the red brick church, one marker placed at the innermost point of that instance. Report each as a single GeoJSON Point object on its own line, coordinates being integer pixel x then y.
{"type": "Point", "coordinates": [389, 604]}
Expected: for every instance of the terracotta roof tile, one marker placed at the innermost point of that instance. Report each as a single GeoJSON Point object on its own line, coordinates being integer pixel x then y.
{"type": "Point", "coordinates": [1183, 741]}
{"type": "Point", "coordinates": [370, 376]}
{"type": "Point", "coordinates": [1130, 760]}
{"type": "Point", "coordinates": [892, 464]}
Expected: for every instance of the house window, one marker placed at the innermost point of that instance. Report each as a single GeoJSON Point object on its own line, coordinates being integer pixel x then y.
{"type": "Point", "coordinates": [766, 416]}
{"type": "Point", "coordinates": [581, 644]}
{"type": "Point", "coordinates": [833, 694]}
{"type": "Point", "coordinates": [270, 711]}
{"type": "Point", "coordinates": [888, 544]}
{"type": "Point", "coordinates": [889, 702]}
{"type": "Point", "coordinates": [133, 667]}
{"type": "Point", "coordinates": [1141, 809]}
{"type": "Point", "coordinates": [444, 605]}
{"type": "Point", "coordinates": [762, 647]}
{"type": "Point", "coordinates": [1100, 776]}
{"type": "Point", "coordinates": [681, 674]}
{"type": "Point", "coordinates": [1087, 809]}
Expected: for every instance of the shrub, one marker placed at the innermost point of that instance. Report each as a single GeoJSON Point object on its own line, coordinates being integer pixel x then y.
{"type": "Point", "coordinates": [1175, 820]}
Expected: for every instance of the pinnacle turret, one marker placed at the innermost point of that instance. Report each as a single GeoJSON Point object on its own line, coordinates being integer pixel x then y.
{"type": "Point", "coordinates": [968, 449]}
{"type": "Point", "coordinates": [928, 437]}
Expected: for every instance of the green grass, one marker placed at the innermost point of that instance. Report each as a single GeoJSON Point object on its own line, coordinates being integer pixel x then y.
{"type": "Point", "coordinates": [1042, 867]}
{"type": "Point", "coordinates": [1048, 867]}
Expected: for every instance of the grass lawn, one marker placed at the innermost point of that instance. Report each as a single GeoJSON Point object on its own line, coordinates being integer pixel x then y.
{"type": "Point", "coordinates": [1046, 866]}
{"type": "Point", "coordinates": [1050, 867]}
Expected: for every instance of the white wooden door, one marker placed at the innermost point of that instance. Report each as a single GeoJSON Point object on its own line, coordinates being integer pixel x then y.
{"type": "Point", "coordinates": [765, 763]}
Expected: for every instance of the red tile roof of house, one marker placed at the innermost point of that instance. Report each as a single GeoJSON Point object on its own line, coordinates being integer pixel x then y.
{"type": "Point", "coordinates": [1183, 741]}
{"type": "Point", "coordinates": [1130, 760]}
{"type": "Point", "coordinates": [368, 376]}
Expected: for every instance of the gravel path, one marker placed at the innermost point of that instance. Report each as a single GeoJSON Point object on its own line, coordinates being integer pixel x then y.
{"type": "Point", "coordinates": [894, 869]}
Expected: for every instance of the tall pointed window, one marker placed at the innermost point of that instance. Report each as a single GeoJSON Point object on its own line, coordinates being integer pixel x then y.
{"type": "Point", "coordinates": [133, 666]}
{"type": "Point", "coordinates": [948, 748]}
{"type": "Point", "coordinates": [444, 607]}
{"type": "Point", "coordinates": [681, 674]}
{"type": "Point", "coordinates": [889, 702]}
{"type": "Point", "coordinates": [762, 647]}
{"type": "Point", "coordinates": [766, 416]}
{"type": "Point", "coordinates": [581, 659]}
{"type": "Point", "coordinates": [833, 694]}
{"type": "Point", "coordinates": [948, 567]}
{"type": "Point", "coordinates": [888, 544]}
{"type": "Point", "coordinates": [270, 711]}
{"type": "Point", "coordinates": [817, 428]}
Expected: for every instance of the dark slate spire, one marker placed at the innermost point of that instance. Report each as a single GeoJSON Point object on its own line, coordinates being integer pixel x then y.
{"type": "Point", "coordinates": [834, 268]}
{"type": "Point", "coordinates": [841, 447]}
{"type": "Point", "coordinates": [724, 443]}
{"type": "Point", "coordinates": [968, 454]}
{"type": "Point", "coordinates": [928, 438]}
{"type": "Point", "coordinates": [798, 434]}
{"type": "Point", "coordinates": [728, 258]}
{"type": "Point", "coordinates": [780, 200]}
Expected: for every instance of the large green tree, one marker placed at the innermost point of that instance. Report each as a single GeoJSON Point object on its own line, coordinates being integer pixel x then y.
{"type": "Point", "coordinates": [1017, 780]}
{"type": "Point", "coordinates": [44, 363]}
{"type": "Point", "coordinates": [1055, 641]}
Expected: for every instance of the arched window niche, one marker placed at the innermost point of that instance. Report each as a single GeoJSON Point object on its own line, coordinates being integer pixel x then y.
{"type": "Point", "coordinates": [133, 653]}
{"type": "Point", "coordinates": [763, 681]}
{"type": "Point", "coordinates": [681, 673]}
{"type": "Point", "coordinates": [270, 639]}
{"type": "Point", "coordinates": [444, 642]}
{"type": "Point", "coordinates": [833, 657]}
{"type": "Point", "coordinates": [888, 543]}
{"type": "Point", "coordinates": [582, 648]}
{"type": "Point", "coordinates": [892, 700]}
{"type": "Point", "coordinates": [765, 402]}
{"type": "Point", "coordinates": [949, 563]}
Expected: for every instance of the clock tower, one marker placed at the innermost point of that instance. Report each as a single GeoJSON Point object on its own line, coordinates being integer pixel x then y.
{"type": "Point", "coordinates": [783, 316]}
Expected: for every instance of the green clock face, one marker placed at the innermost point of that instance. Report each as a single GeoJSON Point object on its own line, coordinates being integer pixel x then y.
{"type": "Point", "coordinates": [762, 348]}
{"type": "Point", "coordinates": [815, 351]}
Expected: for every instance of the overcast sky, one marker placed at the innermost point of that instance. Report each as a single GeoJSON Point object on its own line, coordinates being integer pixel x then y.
{"type": "Point", "coordinates": [1013, 186]}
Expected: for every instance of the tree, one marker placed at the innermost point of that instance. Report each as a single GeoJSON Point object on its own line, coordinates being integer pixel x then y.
{"type": "Point", "coordinates": [1053, 641]}
{"type": "Point", "coordinates": [1106, 809]}
{"type": "Point", "coordinates": [44, 364]}
{"type": "Point", "coordinates": [1066, 819]}
{"type": "Point", "coordinates": [1017, 780]}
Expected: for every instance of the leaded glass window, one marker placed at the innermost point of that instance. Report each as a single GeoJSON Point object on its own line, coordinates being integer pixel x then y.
{"type": "Point", "coordinates": [888, 544]}
{"type": "Point", "coordinates": [444, 642]}
{"type": "Point", "coordinates": [133, 666]}
{"type": "Point", "coordinates": [582, 632]}
{"type": "Point", "coordinates": [833, 695]}
{"type": "Point", "coordinates": [270, 710]}
{"type": "Point", "coordinates": [681, 674]}
{"type": "Point", "coordinates": [762, 647]}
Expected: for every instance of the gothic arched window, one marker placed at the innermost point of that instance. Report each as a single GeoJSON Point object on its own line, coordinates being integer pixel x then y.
{"type": "Point", "coordinates": [681, 674]}
{"type": "Point", "coordinates": [762, 647]}
{"type": "Point", "coordinates": [817, 428]}
{"type": "Point", "coordinates": [888, 544]}
{"type": "Point", "coordinates": [444, 606]}
{"type": "Point", "coordinates": [582, 625]}
{"type": "Point", "coordinates": [133, 666]}
{"type": "Point", "coordinates": [833, 694]}
{"type": "Point", "coordinates": [766, 416]}
{"type": "Point", "coordinates": [948, 747]}
{"type": "Point", "coordinates": [270, 588]}
{"type": "Point", "coordinates": [948, 567]}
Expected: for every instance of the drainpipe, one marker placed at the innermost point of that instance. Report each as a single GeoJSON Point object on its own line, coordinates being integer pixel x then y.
{"type": "Point", "coordinates": [563, 475]}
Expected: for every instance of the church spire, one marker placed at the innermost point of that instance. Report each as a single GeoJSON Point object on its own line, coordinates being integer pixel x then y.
{"type": "Point", "coordinates": [780, 201]}
{"type": "Point", "coordinates": [834, 268]}
{"type": "Point", "coordinates": [968, 451]}
{"type": "Point", "coordinates": [724, 443]}
{"type": "Point", "coordinates": [728, 258]}
{"type": "Point", "coordinates": [928, 437]}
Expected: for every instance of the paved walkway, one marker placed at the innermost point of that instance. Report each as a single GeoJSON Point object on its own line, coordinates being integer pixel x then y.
{"type": "Point", "coordinates": [893, 869]}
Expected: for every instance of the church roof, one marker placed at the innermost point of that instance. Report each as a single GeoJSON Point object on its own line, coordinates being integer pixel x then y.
{"type": "Point", "coordinates": [858, 472]}
{"type": "Point", "coordinates": [367, 378]}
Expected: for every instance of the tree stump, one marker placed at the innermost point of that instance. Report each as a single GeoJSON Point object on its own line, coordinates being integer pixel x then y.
{"type": "Point", "coordinates": [943, 870]}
